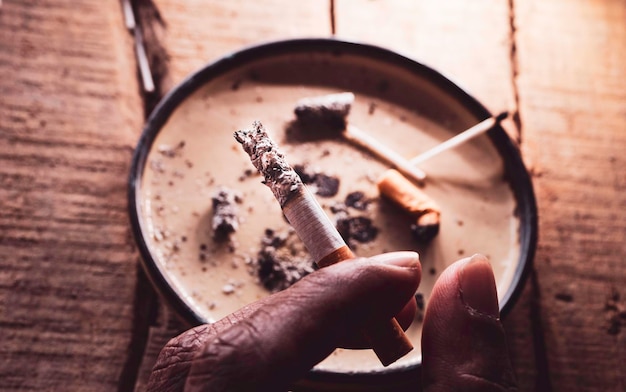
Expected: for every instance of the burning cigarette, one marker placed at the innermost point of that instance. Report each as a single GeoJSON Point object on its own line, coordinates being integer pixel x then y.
{"type": "Point", "coordinates": [411, 199]}
{"type": "Point", "coordinates": [298, 204]}
{"type": "Point", "coordinates": [313, 226]}
{"type": "Point", "coordinates": [332, 111]}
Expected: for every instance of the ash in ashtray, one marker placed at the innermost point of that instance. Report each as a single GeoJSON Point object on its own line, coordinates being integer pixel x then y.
{"type": "Point", "coordinates": [419, 314]}
{"type": "Point", "coordinates": [357, 228]}
{"type": "Point", "coordinates": [357, 200]}
{"type": "Point", "coordinates": [282, 260]}
{"type": "Point", "coordinates": [354, 229]}
{"type": "Point", "coordinates": [322, 184]}
{"type": "Point", "coordinates": [225, 219]}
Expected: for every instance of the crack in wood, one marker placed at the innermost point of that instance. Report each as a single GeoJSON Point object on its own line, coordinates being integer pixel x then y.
{"type": "Point", "coordinates": [152, 26]}
{"type": "Point", "coordinates": [333, 18]}
{"type": "Point", "coordinates": [146, 302]}
{"type": "Point", "coordinates": [144, 315]}
{"type": "Point", "coordinates": [517, 120]}
{"type": "Point", "coordinates": [542, 381]}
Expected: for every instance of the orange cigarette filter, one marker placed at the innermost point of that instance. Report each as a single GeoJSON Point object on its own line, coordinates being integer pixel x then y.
{"type": "Point", "coordinates": [401, 191]}
{"type": "Point", "coordinates": [397, 188]}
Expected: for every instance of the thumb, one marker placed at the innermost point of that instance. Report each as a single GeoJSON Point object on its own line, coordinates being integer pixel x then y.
{"type": "Point", "coordinates": [463, 342]}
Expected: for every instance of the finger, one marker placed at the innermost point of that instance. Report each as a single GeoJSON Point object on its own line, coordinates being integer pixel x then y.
{"type": "Point", "coordinates": [300, 326]}
{"type": "Point", "coordinates": [172, 367]}
{"type": "Point", "coordinates": [405, 318]}
{"type": "Point", "coordinates": [174, 361]}
{"type": "Point", "coordinates": [463, 342]}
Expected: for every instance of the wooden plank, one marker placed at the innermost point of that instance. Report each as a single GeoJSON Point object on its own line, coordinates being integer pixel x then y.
{"type": "Point", "coordinates": [453, 37]}
{"type": "Point", "coordinates": [69, 117]}
{"type": "Point", "coordinates": [182, 36]}
{"type": "Point", "coordinates": [572, 82]}
{"type": "Point", "coordinates": [195, 32]}
{"type": "Point", "coordinates": [472, 43]}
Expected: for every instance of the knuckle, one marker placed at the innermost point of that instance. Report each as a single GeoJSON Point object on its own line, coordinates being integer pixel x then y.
{"type": "Point", "coordinates": [174, 360]}
{"type": "Point", "coordinates": [230, 361]}
{"type": "Point", "coordinates": [183, 347]}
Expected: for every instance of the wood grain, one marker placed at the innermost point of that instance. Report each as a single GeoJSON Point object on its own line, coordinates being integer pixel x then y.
{"type": "Point", "coordinates": [572, 84]}
{"type": "Point", "coordinates": [69, 115]}
{"type": "Point", "coordinates": [71, 112]}
{"type": "Point", "coordinates": [195, 32]}
{"type": "Point", "coordinates": [469, 41]}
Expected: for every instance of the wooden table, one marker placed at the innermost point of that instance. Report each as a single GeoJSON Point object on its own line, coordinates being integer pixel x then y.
{"type": "Point", "coordinates": [76, 310]}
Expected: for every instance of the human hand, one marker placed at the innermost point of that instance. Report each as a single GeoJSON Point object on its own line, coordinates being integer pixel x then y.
{"type": "Point", "coordinates": [277, 340]}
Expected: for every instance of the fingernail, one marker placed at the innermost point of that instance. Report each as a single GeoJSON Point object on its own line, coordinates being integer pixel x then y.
{"type": "Point", "coordinates": [478, 286]}
{"type": "Point", "coordinates": [401, 259]}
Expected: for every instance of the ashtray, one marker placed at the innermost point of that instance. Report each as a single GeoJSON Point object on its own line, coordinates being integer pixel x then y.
{"type": "Point", "coordinates": [187, 160]}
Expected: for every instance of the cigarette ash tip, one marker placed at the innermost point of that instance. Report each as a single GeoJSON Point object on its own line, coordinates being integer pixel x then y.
{"type": "Point", "coordinates": [264, 154]}
{"type": "Point", "coordinates": [332, 109]}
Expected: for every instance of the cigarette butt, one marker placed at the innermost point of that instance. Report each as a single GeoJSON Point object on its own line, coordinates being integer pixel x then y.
{"type": "Point", "coordinates": [397, 188]}
{"type": "Point", "coordinates": [389, 341]}
{"type": "Point", "coordinates": [331, 111]}
{"type": "Point", "coordinates": [387, 338]}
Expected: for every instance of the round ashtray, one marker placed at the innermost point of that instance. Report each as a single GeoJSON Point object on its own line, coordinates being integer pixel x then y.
{"type": "Point", "coordinates": [187, 155]}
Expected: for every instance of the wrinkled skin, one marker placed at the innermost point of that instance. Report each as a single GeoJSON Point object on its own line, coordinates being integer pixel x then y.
{"type": "Point", "coordinates": [271, 343]}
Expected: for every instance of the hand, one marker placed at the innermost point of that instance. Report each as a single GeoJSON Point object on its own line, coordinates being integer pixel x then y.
{"type": "Point", "coordinates": [277, 340]}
